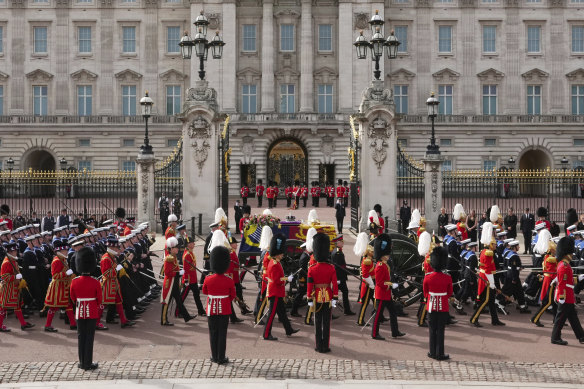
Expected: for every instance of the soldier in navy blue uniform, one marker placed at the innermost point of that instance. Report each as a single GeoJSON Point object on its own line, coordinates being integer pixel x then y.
{"type": "Point", "coordinates": [512, 285]}
{"type": "Point", "coordinates": [451, 244]}
{"type": "Point", "coordinates": [470, 265]}
{"type": "Point", "coordinates": [532, 283]}
{"type": "Point", "coordinates": [338, 259]}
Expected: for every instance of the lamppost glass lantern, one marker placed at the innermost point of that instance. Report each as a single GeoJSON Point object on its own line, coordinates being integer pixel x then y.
{"type": "Point", "coordinates": [376, 22]}
{"type": "Point", "coordinates": [564, 163]}
{"type": "Point", "coordinates": [186, 46]}
{"type": "Point", "coordinates": [392, 44]}
{"type": "Point", "coordinates": [361, 45]}
{"type": "Point", "coordinates": [377, 43]}
{"type": "Point", "coordinates": [200, 43]}
{"type": "Point", "coordinates": [217, 46]}
{"type": "Point", "coordinates": [63, 163]}
{"type": "Point", "coordinates": [146, 102]}
{"type": "Point", "coordinates": [432, 104]}
{"type": "Point", "coordinates": [201, 23]}
{"type": "Point", "coordinates": [10, 163]}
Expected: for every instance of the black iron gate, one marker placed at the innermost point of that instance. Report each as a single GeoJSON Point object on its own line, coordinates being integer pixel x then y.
{"type": "Point", "coordinates": [354, 154]}
{"type": "Point", "coordinates": [284, 169]}
{"type": "Point", "coordinates": [168, 181]}
{"type": "Point", "coordinates": [410, 182]}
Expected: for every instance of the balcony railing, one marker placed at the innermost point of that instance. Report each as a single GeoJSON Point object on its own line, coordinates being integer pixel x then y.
{"type": "Point", "coordinates": [76, 119]}
{"type": "Point", "coordinates": [469, 119]}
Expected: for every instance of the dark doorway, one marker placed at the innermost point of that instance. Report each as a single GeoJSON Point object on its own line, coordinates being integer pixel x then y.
{"type": "Point", "coordinates": [326, 174]}
{"type": "Point", "coordinates": [287, 162]}
{"type": "Point", "coordinates": [248, 175]}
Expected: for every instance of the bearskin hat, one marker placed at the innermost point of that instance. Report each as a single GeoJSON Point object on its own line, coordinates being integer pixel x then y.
{"type": "Point", "coordinates": [321, 244]}
{"type": "Point", "coordinates": [85, 260]}
{"type": "Point", "coordinates": [542, 212]}
{"type": "Point", "coordinates": [4, 209]}
{"type": "Point", "coordinates": [278, 245]}
{"type": "Point", "coordinates": [377, 208]}
{"type": "Point", "coordinates": [565, 247]}
{"type": "Point", "coordinates": [120, 213]}
{"type": "Point", "coordinates": [220, 259]}
{"type": "Point", "coordinates": [339, 182]}
{"type": "Point", "coordinates": [247, 209]}
{"type": "Point", "coordinates": [439, 258]}
{"type": "Point", "coordinates": [571, 217]}
{"type": "Point", "coordinates": [382, 246]}
{"type": "Point", "coordinates": [260, 181]}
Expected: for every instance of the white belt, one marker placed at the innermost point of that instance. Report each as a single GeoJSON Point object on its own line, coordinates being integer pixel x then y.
{"type": "Point", "coordinates": [437, 294]}
{"type": "Point", "coordinates": [216, 297]}
{"type": "Point", "coordinates": [31, 267]}
{"type": "Point", "coordinates": [509, 267]}
{"type": "Point", "coordinates": [87, 299]}
{"type": "Point", "coordinates": [570, 286]}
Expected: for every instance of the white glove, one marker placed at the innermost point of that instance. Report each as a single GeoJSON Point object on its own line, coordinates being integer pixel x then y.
{"type": "Point", "coordinates": [310, 303]}
{"type": "Point", "coordinates": [395, 285]}
{"type": "Point", "coordinates": [491, 279]}
{"type": "Point", "coordinates": [561, 301]}
{"type": "Point", "coordinates": [370, 282]}
{"type": "Point", "coordinates": [290, 277]}
{"type": "Point", "coordinates": [182, 272]}
{"type": "Point", "coordinates": [338, 282]}
{"type": "Point", "coordinates": [69, 272]}
{"type": "Point", "coordinates": [334, 303]}
{"type": "Point", "coordinates": [580, 277]}
{"type": "Point", "coordinates": [19, 276]}
{"type": "Point", "coordinates": [119, 267]}
{"type": "Point", "coordinates": [554, 281]}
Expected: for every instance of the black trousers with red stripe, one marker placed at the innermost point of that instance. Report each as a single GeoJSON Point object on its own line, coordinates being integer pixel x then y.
{"type": "Point", "coordinates": [322, 325]}
{"type": "Point", "coordinates": [381, 305]}
{"type": "Point", "coordinates": [277, 306]}
{"type": "Point", "coordinates": [196, 295]}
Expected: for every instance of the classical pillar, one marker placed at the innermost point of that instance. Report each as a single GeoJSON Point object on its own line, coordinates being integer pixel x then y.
{"type": "Point", "coordinates": [306, 63]}
{"type": "Point", "coordinates": [346, 56]}
{"type": "Point", "coordinates": [145, 183]}
{"type": "Point", "coordinates": [268, 57]}
{"type": "Point", "coordinates": [202, 126]}
{"type": "Point", "coordinates": [433, 190]}
{"type": "Point", "coordinates": [377, 165]}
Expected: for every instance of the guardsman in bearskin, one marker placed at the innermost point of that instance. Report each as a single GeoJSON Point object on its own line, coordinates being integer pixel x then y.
{"type": "Point", "coordinates": [120, 222]}
{"type": "Point", "coordinates": [437, 290]}
{"type": "Point", "coordinates": [189, 278]}
{"type": "Point", "coordinates": [264, 246]}
{"type": "Point", "coordinates": [58, 292]}
{"type": "Point", "coordinates": [85, 292]}
{"type": "Point", "coordinates": [565, 297]}
{"type": "Point", "coordinates": [322, 291]}
{"type": "Point", "coordinates": [4, 213]}
{"type": "Point", "coordinates": [110, 286]}
{"type": "Point", "coordinates": [289, 193]}
{"type": "Point", "coordinates": [304, 194]}
{"type": "Point", "coordinates": [233, 272]}
{"type": "Point", "coordinates": [170, 286]}
{"type": "Point", "coordinates": [383, 288]}
{"type": "Point", "coordinates": [338, 260]}
{"type": "Point", "coordinates": [260, 192]}
{"type": "Point", "coordinates": [340, 190]}
{"type": "Point", "coordinates": [244, 193]}
{"type": "Point", "coordinates": [547, 247]}
{"type": "Point", "coordinates": [315, 193]}
{"type": "Point", "coordinates": [220, 291]}
{"type": "Point", "coordinates": [10, 287]}
{"type": "Point", "coordinates": [277, 288]}
{"type": "Point", "coordinates": [276, 193]}
{"type": "Point", "coordinates": [270, 195]}
{"type": "Point", "coordinates": [486, 283]}
{"type": "Point", "coordinates": [366, 294]}
{"type": "Point", "coordinates": [425, 247]}
{"type": "Point", "coordinates": [459, 217]}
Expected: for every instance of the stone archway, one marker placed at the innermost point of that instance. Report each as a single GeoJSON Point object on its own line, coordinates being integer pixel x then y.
{"type": "Point", "coordinates": [39, 159]}
{"type": "Point", "coordinates": [287, 162]}
{"type": "Point", "coordinates": [532, 160]}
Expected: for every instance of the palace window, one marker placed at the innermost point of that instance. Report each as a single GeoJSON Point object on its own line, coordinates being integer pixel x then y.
{"type": "Point", "coordinates": [400, 98]}
{"type": "Point", "coordinates": [445, 94]}
{"type": "Point", "coordinates": [489, 165]}
{"type": "Point", "coordinates": [325, 98]}
{"type": "Point", "coordinates": [325, 37]}
{"type": "Point", "coordinates": [129, 100]}
{"type": "Point", "coordinates": [129, 39]}
{"type": "Point", "coordinates": [128, 142]}
{"type": "Point", "coordinates": [40, 40]}
{"type": "Point", "coordinates": [489, 99]}
{"type": "Point", "coordinates": [84, 165]}
{"type": "Point", "coordinates": [534, 39]}
{"type": "Point", "coordinates": [39, 100]}
{"type": "Point", "coordinates": [84, 38]}
{"type": "Point", "coordinates": [173, 99]}
{"type": "Point", "coordinates": [84, 142]}
{"type": "Point", "coordinates": [577, 99]}
{"type": "Point", "coordinates": [129, 166]}
{"type": "Point", "coordinates": [84, 100]}
{"type": "Point", "coordinates": [534, 99]}
{"type": "Point", "coordinates": [172, 39]}
{"type": "Point", "coordinates": [401, 33]}
{"type": "Point", "coordinates": [577, 39]}
{"type": "Point", "coordinates": [287, 37]}
{"type": "Point", "coordinates": [489, 39]}
{"type": "Point", "coordinates": [249, 37]}
{"type": "Point", "coordinates": [249, 98]}
{"type": "Point", "coordinates": [445, 39]}
{"type": "Point", "coordinates": [287, 95]}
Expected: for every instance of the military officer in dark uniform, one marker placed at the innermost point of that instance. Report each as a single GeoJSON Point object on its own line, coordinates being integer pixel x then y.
{"type": "Point", "coordinates": [338, 259]}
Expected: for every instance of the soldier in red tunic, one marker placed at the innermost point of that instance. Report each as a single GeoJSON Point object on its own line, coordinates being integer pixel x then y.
{"type": "Point", "coordinates": [383, 288]}
{"type": "Point", "coordinates": [10, 286]}
{"type": "Point", "coordinates": [170, 286]}
{"type": "Point", "coordinates": [220, 291]}
{"type": "Point", "coordinates": [58, 292]}
{"type": "Point", "coordinates": [86, 294]}
{"type": "Point", "coordinates": [304, 194]}
{"type": "Point", "coordinates": [322, 291]}
{"type": "Point", "coordinates": [189, 278]}
{"type": "Point", "coordinates": [289, 193]}
{"type": "Point", "coordinates": [270, 195]}
{"type": "Point", "coordinates": [277, 288]}
{"type": "Point", "coordinates": [437, 290]}
{"type": "Point", "coordinates": [260, 192]}
{"type": "Point", "coordinates": [233, 273]}
{"type": "Point", "coordinates": [546, 246]}
{"type": "Point", "coordinates": [4, 212]}
{"type": "Point", "coordinates": [565, 297]}
{"type": "Point", "coordinates": [366, 293]}
{"type": "Point", "coordinates": [244, 193]}
{"type": "Point", "coordinates": [276, 193]}
{"type": "Point", "coordinates": [340, 190]}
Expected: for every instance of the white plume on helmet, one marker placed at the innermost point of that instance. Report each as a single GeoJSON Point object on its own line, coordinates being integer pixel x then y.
{"type": "Point", "coordinates": [424, 243]}
{"type": "Point", "coordinates": [171, 242]}
{"type": "Point", "coordinates": [266, 238]}
{"type": "Point", "coordinates": [415, 219]}
{"type": "Point", "coordinates": [361, 244]}
{"type": "Point", "coordinates": [457, 212]}
{"type": "Point", "coordinates": [487, 234]}
{"type": "Point", "coordinates": [495, 211]}
{"type": "Point", "coordinates": [172, 218]}
{"type": "Point", "coordinates": [373, 218]}
{"type": "Point", "coordinates": [309, 238]}
{"type": "Point", "coordinates": [543, 242]}
{"type": "Point", "coordinates": [312, 216]}
{"type": "Point", "coordinates": [267, 212]}
{"type": "Point", "coordinates": [218, 239]}
{"type": "Point", "coordinates": [220, 216]}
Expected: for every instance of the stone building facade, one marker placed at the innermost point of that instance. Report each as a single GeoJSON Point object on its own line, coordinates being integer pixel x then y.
{"type": "Point", "coordinates": [509, 75]}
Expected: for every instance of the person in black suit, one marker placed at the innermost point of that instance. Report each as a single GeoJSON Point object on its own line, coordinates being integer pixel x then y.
{"type": "Point", "coordinates": [510, 222]}
{"type": "Point", "coordinates": [340, 214]}
{"type": "Point", "coordinates": [405, 214]}
{"type": "Point", "coordinates": [238, 215]}
{"type": "Point", "coordinates": [527, 226]}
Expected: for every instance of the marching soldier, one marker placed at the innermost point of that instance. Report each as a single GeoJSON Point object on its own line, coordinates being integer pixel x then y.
{"type": "Point", "coordinates": [315, 193]}
{"type": "Point", "coordinates": [451, 244]}
{"type": "Point", "coordinates": [4, 213]}
{"type": "Point", "coordinates": [512, 285]}
{"type": "Point", "coordinates": [244, 193]}
{"type": "Point", "coordinates": [276, 193]}
{"type": "Point", "coordinates": [459, 217]}
{"type": "Point", "coordinates": [277, 288]}
{"type": "Point", "coordinates": [322, 291]}
{"type": "Point", "coordinates": [170, 286]}
{"type": "Point", "coordinates": [304, 193]}
{"type": "Point", "coordinates": [260, 192]}
{"type": "Point", "coordinates": [220, 292]}
{"type": "Point", "coordinates": [189, 278]}
{"type": "Point", "coordinates": [261, 300]}
{"type": "Point", "coordinates": [424, 249]}
{"type": "Point", "coordinates": [338, 259]}
{"type": "Point", "coordinates": [366, 294]}
{"type": "Point", "coordinates": [340, 190]}
{"type": "Point", "coordinates": [289, 193]}
{"type": "Point", "coordinates": [470, 265]}
{"type": "Point", "coordinates": [270, 195]}
{"type": "Point", "coordinates": [213, 227]}
{"type": "Point", "coordinates": [565, 294]}
{"type": "Point", "coordinates": [306, 262]}
{"type": "Point", "coordinates": [532, 282]}
{"type": "Point", "coordinates": [330, 195]}
{"type": "Point", "coordinates": [233, 272]}
{"type": "Point", "coordinates": [383, 288]}
{"type": "Point", "coordinates": [550, 265]}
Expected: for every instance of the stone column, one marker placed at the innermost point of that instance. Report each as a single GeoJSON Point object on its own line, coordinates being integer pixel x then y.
{"type": "Point", "coordinates": [306, 64]}
{"type": "Point", "coordinates": [268, 57]}
{"type": "Point", "coordinates": [202, 126]}
{"type": "Point", "coordinates": [145, 183]}
{"type": "Point", "coordinates": [377, 165]}
{"type": "Point", "coordinates": [433, 190]}
{"type": "Point", "coordinates": [346, 56]}
{"type": "Point", "coordinates": [229, 92]}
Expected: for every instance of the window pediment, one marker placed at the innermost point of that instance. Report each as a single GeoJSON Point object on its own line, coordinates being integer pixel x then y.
{"type": "Point", "coordinates": [535, 74]}
{"type": "Point", "coordinates": [3, 76]}
{"type": "Point", "coordinates": [128, 75]}
{"type": "Point", "coordinates": [402, 75]}
{"type": "Point", "coordinates": [173, 75]}
{"type": "Point", "coordinates": [490, 75]}
{"type": "Point", "coordinates": [446, 75]}
{"type": "Point", "coordinates": [249, 75]}
{"type": "Point", "coordinates": [39, 75]}
{"type": "Point", "coordinates": [576, 75]}
{"type": "Point", "coordinates": [325, 75]}
{"type": "Point", "coordinates": [287, 75]}
{"type": "Point", "coordinates": [83, 75]}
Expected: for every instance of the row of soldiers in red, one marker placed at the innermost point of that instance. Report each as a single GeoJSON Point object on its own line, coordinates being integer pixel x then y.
{"type": "Point", "coordinates": [272, 192]}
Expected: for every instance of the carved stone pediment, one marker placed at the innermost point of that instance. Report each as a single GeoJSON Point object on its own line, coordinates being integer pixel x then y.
{"type": "Point", "coordinates": [576, 75]}
{"type": "Point", "coordinates": [557, 3]}
{"type": "Point", "coordinates": [535, 74]}
{"type": "Point", "coordinates": [3, 76]}
{"type": "Point", "coordinates": [287, 75]}
{"type": "Point", "coordinates": [173, 75]}
{"type": "Point", "coordinates": [287, 12]}
{"type": "Point", "coordinates": [361, 21]}
{"type": "Point", "coordinates": [214, 21]}
{"type": "Point", "coordinates": [199, 133]}
{"type": "Point", "coordinates": [325, 75]}
{"type": "Point", "coordinates": [490, 75]}
{"type": "Point", "coordinates": [249, 75]}
{"type": "Point", "coordinates": [401, 74]}
{"type": "Point", "coordinates": [83, 75]}
{"type": "Point", "coordinates": [446, 75]}
{"type": "Point", "coordinates": [39, 75]}
{"type": "Point", "coordinates": [128, 75]}
{"type": "Point", "coordinates": [376, 94]}
{"type": "Point", "coordinates": [151, 3]}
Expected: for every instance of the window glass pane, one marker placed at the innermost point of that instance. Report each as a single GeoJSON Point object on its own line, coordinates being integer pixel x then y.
{"type": "Point", "coordinates": [445, 39]}
{"type": "Point", "coordinates": [489, 41]}
{"type": "Point", "coordinates": [129, 142]}
{"type": "Point", "coordinates": [489, 99]}
{"type": "Point", "coordinates": [249, 37]}
{"type": "Point", "coordinates": [533, 39]}
{"type": "Point", "coordinates": [1, 39]}
{"type": "Point", "coordinates": [173, 94]}
{"type": "Point", "coordinates": [129, 166]}
{"type": "Point", "coordinates": [129, 100]}
{"type": "Point", "coordinates": [325, 98]}
{"type": "Point", "coordinates": [287, 98]}
{"type": "Point", "coordinates": [249, 98]}
{"type": "Point", "coordinates": [578, 39]}
{"type": "Point", "coordinates": [400, 97]}
{"type": "Point", "coordinates": [84, 100]}
{"type": "Point", "coordinates": [287, 37]}
{"type": "Point", "coordinates": [489, 165]}
{"type": "Point", "coordinates": [129, 39]}
{"type": "Point", "coordinates": [445, 97]}
{"type": "Point", "coordinates": [40, 99]}
{"type": "Point", "coordinates": [84, 165]}
{"type": "Point", "coordinates": [577, 99]}
{"type": "Point", "coordinates": [325, 36]}
{"type": "Point", "coordinates": [401, 33]}
{"type": "Point", "coordinates": [172, 39]}
{"type": "Point", "coordinates": [40, 39]}
{"type": "Point", "coordinates": [446, 166]}
{"type": "Point", "coordinates": [84, 39]}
